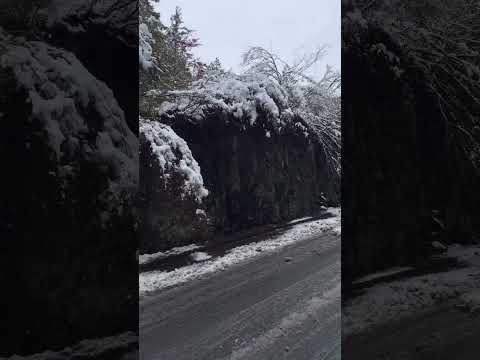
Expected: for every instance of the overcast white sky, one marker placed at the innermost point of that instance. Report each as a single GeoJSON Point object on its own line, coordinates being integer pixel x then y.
{"type": "Point", "coordinates": [226, 28]}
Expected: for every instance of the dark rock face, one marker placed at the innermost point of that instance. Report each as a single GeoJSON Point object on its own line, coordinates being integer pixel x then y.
{"type": "Point", "coordinates": [254, 179]}
{"type": "Point", "coordinates": [401, 167]}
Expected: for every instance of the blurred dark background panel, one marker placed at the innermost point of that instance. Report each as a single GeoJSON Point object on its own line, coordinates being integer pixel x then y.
{"type": "Point", "coordinates": [410, 182]}
{"type": "Point", "coordinates": [69, 149]}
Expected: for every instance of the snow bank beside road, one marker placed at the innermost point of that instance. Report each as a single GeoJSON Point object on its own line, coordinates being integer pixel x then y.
{"type": "Point", "coordinates": [148, 258]}
{"type": "Point", "coordinates": [388, 301]}
{"type": "Point", "coordinates": [122, 347]}
{"type": "Point", "coordinates": [382, 274]}
{"type": "Point", "coordinates": [200, 256]}
{"type": "Point", "coordinates": [156, 280]}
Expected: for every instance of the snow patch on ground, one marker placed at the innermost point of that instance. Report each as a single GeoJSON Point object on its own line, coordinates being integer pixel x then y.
{"type": "Point", "coordinates": [391, 271]}
{"type": "Point", "coordinates": [125, 346]}
{"type": "Point", "coordinates": [299, 220]}
{"type": "Point", "coordinates": [337, 230]}
{"type": "Point", "coordinates": [148, 258]}
{"type": "Point", "coordinates": [200, 256]}
{"type": "Point", "coordinates": [396, 299]}
{"type": "Point", "coordinates": [156, 280]}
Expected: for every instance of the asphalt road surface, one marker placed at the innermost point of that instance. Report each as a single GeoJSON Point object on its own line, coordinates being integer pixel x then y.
{"type": "Point", "coordinates": [282, 305]}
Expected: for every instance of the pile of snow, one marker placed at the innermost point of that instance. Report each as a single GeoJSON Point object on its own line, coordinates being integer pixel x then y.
{"type": "Point", "coordinates": [148, 258]}
{"type": "Point", "coordinates": [295, 221]}
{"type": "Point", "coordinates": [79, 113]}
{"type": "Point", "coordinates": [200, 256]}
{"type": "Point", "coordinates": [241, 95]}
{"type": "Point", "coordinates": [155, 280]}
{"type": "Point", "coordinates": [393, 300]}
{"type": "Point", "coordinates": [174, 155]}
{"type": "Point", "coordinates": [124, 346]}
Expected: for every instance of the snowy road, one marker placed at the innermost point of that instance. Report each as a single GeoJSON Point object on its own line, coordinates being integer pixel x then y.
{"type": "Point", "coordinates": [430, 316]}
{"type": "Point", "coordinates": [441, 333]}
{"type": "Point", "coordinates": [280, 305]}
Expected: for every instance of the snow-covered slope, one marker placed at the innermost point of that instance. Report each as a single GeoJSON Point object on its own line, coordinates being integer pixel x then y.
{"type": "Point", "coordinates": [123, 346]}
{"type": "Point", "coordinates": [394, 300]}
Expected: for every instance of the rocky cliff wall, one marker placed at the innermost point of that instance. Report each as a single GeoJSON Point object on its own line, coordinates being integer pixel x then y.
{"type": "Point", "coordinates": [405, 181]}
{"type": "Point", "coordinates": [257, 175]}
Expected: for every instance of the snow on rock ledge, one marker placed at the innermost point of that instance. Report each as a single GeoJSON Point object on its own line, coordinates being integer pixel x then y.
{"type": "Point", "coordinates": [241, 95]}
{"type": "Point", "coordinates": [174, 155]}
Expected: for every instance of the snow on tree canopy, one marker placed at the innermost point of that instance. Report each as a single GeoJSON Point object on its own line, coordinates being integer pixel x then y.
{"type": "Point", "coordinates": [174, 155]}
{"type": "Point", "coordinates": [241, 95]}
{"type": "Point", "coordinates": [79, 114]}
{"type": "Point", "coordinates": [145, 47]}
{"type": "Point", "coordinates": [252, 97]}
{"type": "Point", "coordinates": [149, 28]}
{"type": "Point", "coordinates": [118, 16]}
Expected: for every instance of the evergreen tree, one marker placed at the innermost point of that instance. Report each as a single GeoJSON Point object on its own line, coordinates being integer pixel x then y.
{"type": "Point", "coordinates": [180, 43]}
{"type": "Point", "coordinates": [166, 58]}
